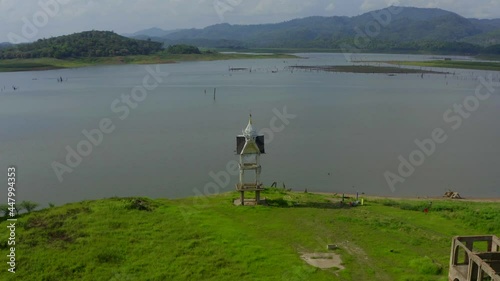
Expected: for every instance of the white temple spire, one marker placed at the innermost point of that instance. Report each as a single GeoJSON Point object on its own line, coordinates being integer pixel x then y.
{"type": "Point", "coordinates": [249, 131]}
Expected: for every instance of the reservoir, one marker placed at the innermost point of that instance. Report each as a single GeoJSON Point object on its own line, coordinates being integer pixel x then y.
{"type": "Point", "coordinates": [325, 131]}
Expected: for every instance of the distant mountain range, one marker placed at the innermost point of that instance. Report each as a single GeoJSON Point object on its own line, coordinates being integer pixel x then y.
{"type": "Point", "coordinates": [410, 29]}
{"type": "Point", "coordinates": [4, 45]}
{"type": "Point", "coordinates": [151, 32]}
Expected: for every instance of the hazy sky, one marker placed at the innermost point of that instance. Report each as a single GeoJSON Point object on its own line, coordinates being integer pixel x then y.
{"type": "Point", "coordinates": [126, 16]}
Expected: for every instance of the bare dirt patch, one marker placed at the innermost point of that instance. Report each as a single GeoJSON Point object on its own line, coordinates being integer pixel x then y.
{"type": "Point", "coordinates": [323, 260]}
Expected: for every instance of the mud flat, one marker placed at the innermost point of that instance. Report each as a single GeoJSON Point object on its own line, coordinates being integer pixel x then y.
{"type": "Point", "coordinates": [367, 69]}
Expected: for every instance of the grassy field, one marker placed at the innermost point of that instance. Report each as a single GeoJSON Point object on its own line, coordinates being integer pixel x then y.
{"type": "Point", "coordinates": [52, 63]}
{"type": "Point", "coordinates": [210, 239]}
{"type": "Point", "coordinates": [495, 66]}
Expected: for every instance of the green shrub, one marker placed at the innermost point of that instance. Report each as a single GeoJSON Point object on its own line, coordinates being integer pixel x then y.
{"type": "Point", "coordinates": [426, 265]}
{"type": "Point", "coordinates": [109, 257]}
{"type": "Point", "coordinates": [141, 204]}
{"type": "Point", "coordinates": [389, 203]}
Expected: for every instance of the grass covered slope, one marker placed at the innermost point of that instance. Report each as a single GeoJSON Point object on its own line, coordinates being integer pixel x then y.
{"type": "Point", "coordinates": [210, 239]}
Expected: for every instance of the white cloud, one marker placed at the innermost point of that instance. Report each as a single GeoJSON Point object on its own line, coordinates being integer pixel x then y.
{"type": "Point", "coordinates": [330, 7]}
{"type": "Point", "coordinates": [370, 5]}
{"type": "Point", "coordinates": [277, 7]}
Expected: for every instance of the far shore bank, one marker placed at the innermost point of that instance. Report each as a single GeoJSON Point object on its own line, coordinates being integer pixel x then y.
{"type": "Point", "coordinates": [40, 64]}
{"type": "Point", "coordinates": [454, 64]}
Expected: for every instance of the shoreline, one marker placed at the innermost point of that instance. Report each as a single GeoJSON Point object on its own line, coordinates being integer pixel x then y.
{"type": "Point", "coordinates": [452, 64]}
{"type": "Point", "coordinates": [436, 198]}
{"type": "Point", "coordinates": [42, 64]}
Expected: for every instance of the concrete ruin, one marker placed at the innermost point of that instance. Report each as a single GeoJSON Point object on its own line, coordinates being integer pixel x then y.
{"type": "Point", "coordinates": [452, 195]}
{"type": "Point", "coordinates": [475, 258]}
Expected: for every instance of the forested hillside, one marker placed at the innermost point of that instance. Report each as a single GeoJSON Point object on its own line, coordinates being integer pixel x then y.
{"type": "Point", "coordinates": [84, 44]}
{"type": "Point", "coordinates": [407, 30]}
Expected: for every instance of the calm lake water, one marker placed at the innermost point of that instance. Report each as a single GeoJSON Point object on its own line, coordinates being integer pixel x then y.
{"type": "Point", "coordinates": [348, 130]}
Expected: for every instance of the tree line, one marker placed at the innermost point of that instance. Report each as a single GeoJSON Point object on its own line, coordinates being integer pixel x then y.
{"type": "Point", "coordinates": [28, 206]}
{"type": "Point", "coordinates": [183, 49]}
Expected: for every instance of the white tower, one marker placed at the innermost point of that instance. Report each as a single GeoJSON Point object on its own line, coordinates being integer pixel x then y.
{"type": "Point", "coordinates": [249, 147]}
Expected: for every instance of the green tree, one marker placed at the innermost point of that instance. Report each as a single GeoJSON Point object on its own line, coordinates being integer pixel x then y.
{"type": "Point", "coordinates": [29, 206]}
{"type": "Point", "coordinates": [4, 209]}
{"type": "Point", "coordinates": [183, 49]}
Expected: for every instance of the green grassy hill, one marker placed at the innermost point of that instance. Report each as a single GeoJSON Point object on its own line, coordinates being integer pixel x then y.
{"type": "Point", "coordinates": [210, 239]}
{"type": "Point", "coordinates": [85, 44]}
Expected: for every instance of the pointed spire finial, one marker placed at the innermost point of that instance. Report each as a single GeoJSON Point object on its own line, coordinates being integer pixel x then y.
{"type": "Point", "coordinates": [249, 131]}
